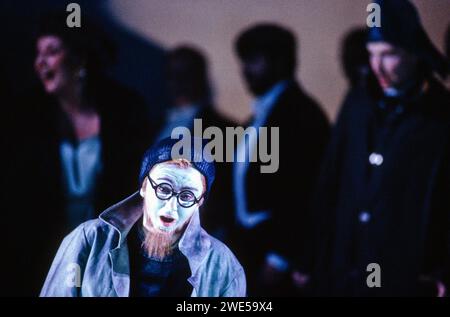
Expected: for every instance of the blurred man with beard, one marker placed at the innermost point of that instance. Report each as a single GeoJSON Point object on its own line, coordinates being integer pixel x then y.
{"type": "Point", "coordinates": [383, 197]}
{"type": "Point", "coordinates": [151, 244]}
{"type": "Point", "coordinates": [266, 220]}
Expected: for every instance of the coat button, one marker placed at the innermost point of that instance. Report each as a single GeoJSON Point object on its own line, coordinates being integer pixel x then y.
{"type": "Point", "coordinates": [364, 216]}
{"type": "Point", "coordinates": [376, 159]}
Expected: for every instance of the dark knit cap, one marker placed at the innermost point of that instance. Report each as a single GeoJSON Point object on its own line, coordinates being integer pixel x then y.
{"type": "Point", "coordinates": [192, 149]}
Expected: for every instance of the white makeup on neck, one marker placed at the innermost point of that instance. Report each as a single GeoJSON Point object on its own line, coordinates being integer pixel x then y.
{"type": "Point", "coordinates": [168, 215]}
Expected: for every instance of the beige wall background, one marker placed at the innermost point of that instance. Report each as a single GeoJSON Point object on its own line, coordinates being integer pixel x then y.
{"type": "Point", "coordinates": [212, 26]}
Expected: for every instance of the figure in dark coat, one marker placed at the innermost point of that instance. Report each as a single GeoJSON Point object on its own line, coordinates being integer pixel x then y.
{"type": "Point", "coordinates": [271, 209]}
{"type": "Point", "coordinates": [382, 205]}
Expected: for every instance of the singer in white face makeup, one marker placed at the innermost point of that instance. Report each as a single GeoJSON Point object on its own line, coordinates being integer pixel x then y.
{"type": "Point", "coordinates": [151, 244]}
{"type": "Point", "coordinates": [172, 192]}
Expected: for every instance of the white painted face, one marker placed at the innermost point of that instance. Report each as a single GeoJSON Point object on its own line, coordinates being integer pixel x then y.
{"type": "Point", "coordinates": [168, 215]}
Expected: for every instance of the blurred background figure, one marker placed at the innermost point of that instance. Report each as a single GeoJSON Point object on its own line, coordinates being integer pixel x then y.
{"type": "Point", "coordinates": [190, 92]}
{"type": "Point", "coordinates": [78, 144]}
{"type": "Point", "coordinates": [355, 58]}
{"type": "Point", "coordinates": [271, 210]}
{"type": "Point", "coordinates": [383, 192]}
{"type": "Point", "coordinates": [138, 60]}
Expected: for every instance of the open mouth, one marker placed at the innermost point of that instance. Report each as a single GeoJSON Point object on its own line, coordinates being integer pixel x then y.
{"type": "Point", "coordinates": [167, 221]}
{"type": "Point", "coordinates": [47, 75]}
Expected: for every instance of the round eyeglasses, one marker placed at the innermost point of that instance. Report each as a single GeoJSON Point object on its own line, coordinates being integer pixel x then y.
{"type": "Point", "coordinates": [164, 191]}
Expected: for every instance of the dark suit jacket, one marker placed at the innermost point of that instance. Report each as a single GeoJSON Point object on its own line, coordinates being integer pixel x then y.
{"type": "Point", "coordinates": [304, 131]}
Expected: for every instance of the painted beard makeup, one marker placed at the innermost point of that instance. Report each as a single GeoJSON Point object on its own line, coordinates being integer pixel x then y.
{"type": "Point", "coordinates": [160, 244]}
{"type": "Point", "coordinates": [165, 220]}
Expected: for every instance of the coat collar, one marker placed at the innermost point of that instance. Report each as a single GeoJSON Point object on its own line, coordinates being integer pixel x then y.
{"type": "Point", "coordinates": [123, 215]}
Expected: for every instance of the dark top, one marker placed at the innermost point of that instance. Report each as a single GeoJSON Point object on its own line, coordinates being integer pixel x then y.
{"type": "Point", "coordinates": [303, 135]}
{"type": "Point", "coordinates": [150, 277]}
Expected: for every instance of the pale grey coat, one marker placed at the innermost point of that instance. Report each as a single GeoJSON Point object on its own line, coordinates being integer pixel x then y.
{"type": "Point", "coordinates": [93, 260]}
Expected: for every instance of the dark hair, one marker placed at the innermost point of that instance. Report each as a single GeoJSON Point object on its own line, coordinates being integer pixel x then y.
{"type": "Point", "coordinates": [275, 42]}
{"type": "Point", "coordinates": [354, 55]}
{"type": "Point", "coordinates": [88, 43]}
{"type": "Point", "coordinates": [188, 72]}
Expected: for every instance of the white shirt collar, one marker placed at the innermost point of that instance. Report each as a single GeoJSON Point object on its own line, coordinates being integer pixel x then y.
{"type": "Point", "coordinates": [264, 103]}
